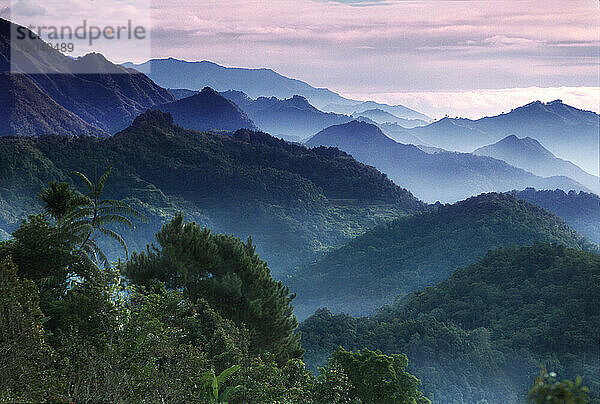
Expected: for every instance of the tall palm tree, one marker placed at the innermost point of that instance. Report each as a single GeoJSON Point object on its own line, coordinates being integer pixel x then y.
{"type": "Point", "coordinates": [86, 218]}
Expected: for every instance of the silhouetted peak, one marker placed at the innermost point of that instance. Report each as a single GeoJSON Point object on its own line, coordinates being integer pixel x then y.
{"type": "Point", "coordinates": [209, 91]}
{"type": "Point", "coordinates": [153, 119]}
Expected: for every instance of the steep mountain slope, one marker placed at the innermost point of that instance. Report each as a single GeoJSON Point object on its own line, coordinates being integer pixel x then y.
{"type": "Point", "coordinates": [410, 253]}
{"type": "Point", "coordinates": [105, 96]}
{"type": "Point", "coordinates": [248, 183]}
{"type": "Point", "coordinates": [207, 110]}
{"type": "Point", "coordinates": [180, 93]}
{"type": "Point", "coordinates": [26, 110]}
{"type": "Point", "coordinates": [398, 110]}
{"type": "Point", "coordinates": [580, 210]}
{"type": "Point", "coordinates": [530, 155]}
{"type": "Point", "coordinates": [481, 335]}
{"type": "Point", "coordinates": [289, 118]}
{"type": "Point", "coordinates": [380, 116]}
{"type": "Point", "coordinates": [446, 177]}
{"type": "Point", "coordinates": [568, 132]}
{"type": "Point", "coordinates": [173, 73]}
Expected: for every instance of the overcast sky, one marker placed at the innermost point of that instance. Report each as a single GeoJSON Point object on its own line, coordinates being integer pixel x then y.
{"type": "Point", "coordinates": [457, 57]}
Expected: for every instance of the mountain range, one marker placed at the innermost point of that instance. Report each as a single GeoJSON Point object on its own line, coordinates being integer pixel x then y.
{"type": "Point", "coordinates": [528, 154]}
{"type": "Point", "coordinates": [358, 108]}
{"type": "Point", "coordinates": [293, 118]}
{"type": "Point", "coordinates": [569, 133]}
{"type": "Point", "coordinates": [417, 251]}
{"type": "Point", "coordinates": [381, 117]}
{"type": "Point", "coordinates": [445, 177]}
{"type": "Point", "coordinates": [181, 74]}
{"type": "Point", "coordinates": [245, 183]}
{"type": "Point", "coordinates": [87, 95]}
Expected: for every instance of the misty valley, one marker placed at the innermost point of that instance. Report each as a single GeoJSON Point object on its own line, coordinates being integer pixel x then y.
{"type": "Point", "coordinates": [175, 231]}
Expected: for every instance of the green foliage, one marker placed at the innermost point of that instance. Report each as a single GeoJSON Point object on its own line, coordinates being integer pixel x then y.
{"type": "Point", "coordinates": [546, 390]}
{"type": "Point", "coordinates": [580, 210]}
{"type": "Point", "coordinates": [249, 184]}
{"type": "Point", "coordinates": [481, 333]}
{"type": "Point", "coordinates": [378, 378]}
{"type": "Point", "coordinates": [229, 275]}
{"type": "Point", "coordinates": [27, 372]}
{"type": "Point", "coordinates": [417, 251]}
{"type": "Point", "coordinates": [58, 199]}
{"type": "Point", "coordinates": [213, 385]}
{"type": "Point", "coordinates": [42, 255]}
{"type": "Point", "coordinates": [90, 218]}
{"type": "Point", "coordinates": [265, 381]}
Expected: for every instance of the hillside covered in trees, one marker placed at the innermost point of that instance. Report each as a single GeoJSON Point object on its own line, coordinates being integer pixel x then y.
{"type": "Point", "coordinates": [413, 252]}
{"type": "Point", "coordinates": [480, 335]}
{"type": "Point", "coordinates": [195, 318]}
{"type": "Point", "coordinates": [293, 201]}
{"type": "Point", "coordinates": [580, 210]}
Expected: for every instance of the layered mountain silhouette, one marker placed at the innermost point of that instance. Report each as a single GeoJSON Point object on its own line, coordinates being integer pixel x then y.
{"type": "Point", "coordinates": [88, 95]}
{"type": "Point", "coordinates": [358, 108]}
{"type": "Point", "coordinates": [207, 110]}
{"type": "Point", "coordinates": [568, 132]}
{"type": "Point", "coordinates": [181, 74]}
{"type": "Point", "coordinates": [445, 176]}
{"type": "Point", "coordinates": [380, 116]}
{"type": "Point", "coordinates": [174, 73]}
{"type": "Point", "coordinates": [528, 154]}
{"type": "Point", "coordinates": [417, 251]}
{"type": "Point", "coordinates": [293, 118]}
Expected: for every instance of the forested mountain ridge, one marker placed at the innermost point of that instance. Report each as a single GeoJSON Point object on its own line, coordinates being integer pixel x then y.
{"type": "Point", "coordinates": [413, 252]}
{"type": "Point", "coordinates": [478, 335]}
{"type": "Point", "coordinates": [88, 95]}
{"type": "Point", "coordinates": [292, 200]}
{"type": "Point", "coordinates": [580, 210]}
{"type": "Point", "coordinates": [445, 177]}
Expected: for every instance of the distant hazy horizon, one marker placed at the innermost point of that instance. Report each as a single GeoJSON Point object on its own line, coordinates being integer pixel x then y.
{"type": "Point", "coordinates": [467, 58]}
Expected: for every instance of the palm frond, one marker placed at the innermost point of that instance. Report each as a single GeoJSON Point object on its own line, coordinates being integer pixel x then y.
{"type": "Point", "coordinates": [85, 179]}
{"type": "Point", "coordinates": [113, 219]}
{"type": "Point", "coordinates": [115, 236]}
{"type": "Point", "coordinates": [100, 185]}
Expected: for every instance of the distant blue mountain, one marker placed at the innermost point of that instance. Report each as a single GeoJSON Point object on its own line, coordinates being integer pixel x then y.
{"type": "Point", "coordinates": [528, 154]}
{"type": "Point", "coordinates": [174, 73]}
{"type": "Point", "coordinates": [443, 176]}
{"type": "Point", "coordinates": [358, 108]}
{"type": "Point", "coordinates": [292, 118]}
{"type": "Point", "coordinates": [102, 101]}
{"type": "Point", "coordinates": [569, 133]}
{"type": "Point", "coordinates": [382, 117]}
{"type": "Point", "coordinates": [180, 74]}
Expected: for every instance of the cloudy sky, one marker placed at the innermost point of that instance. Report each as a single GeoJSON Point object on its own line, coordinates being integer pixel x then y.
{"type": "Point", "coordinates": [446, 56]}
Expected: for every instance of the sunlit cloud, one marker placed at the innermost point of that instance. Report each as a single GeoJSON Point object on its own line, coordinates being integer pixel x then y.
{"type": "Point", "coordinates": [486, 102]}
{"type": "Point", "coordinates": [387, 46]}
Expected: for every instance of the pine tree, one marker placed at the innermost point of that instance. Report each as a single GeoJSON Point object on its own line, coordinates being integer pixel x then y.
{"type": "Point", "coordinates": [229, 275]}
